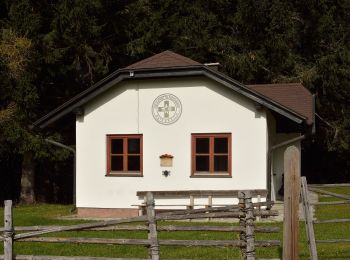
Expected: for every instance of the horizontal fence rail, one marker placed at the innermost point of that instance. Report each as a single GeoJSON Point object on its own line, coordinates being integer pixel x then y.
{"type": "Point", "coordinates": [331, 221]}
{"type": "Point", "coordinates": [258, 229]}
{"type": "Point", "coordinates": [329, 185]}
{"type": "Point", "coordinates": [336, 195]}
{"type": "Point", "coordinates": [331, 203]}
{"type": "Point", "coordinates": [168, 242]}
{"type": "Point", "coordinates": [334, 241]}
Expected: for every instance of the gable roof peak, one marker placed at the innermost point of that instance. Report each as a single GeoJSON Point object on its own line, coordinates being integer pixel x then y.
{"type": "Point", "coordinates": [164, 59]}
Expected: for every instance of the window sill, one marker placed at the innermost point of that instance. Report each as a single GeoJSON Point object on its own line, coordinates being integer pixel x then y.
{"type": "Point", "coordinates": [124, 174]}
{"type": "Point", "coordinates": [211, 175]}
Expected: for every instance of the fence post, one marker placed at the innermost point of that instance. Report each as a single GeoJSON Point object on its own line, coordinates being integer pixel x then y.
{"type": "Point", "coordinates": [242, 222]}
{"type": "Point", "coordinates": [249, 228]}
{"type": "Point", "coordinates": [308, 219]}
{"type": "Point", "coordinates": [152, 227]}
{"type": "Point", "coordinates": [8, 231]}
{"type": "Point", "coordinates": [291, 203]}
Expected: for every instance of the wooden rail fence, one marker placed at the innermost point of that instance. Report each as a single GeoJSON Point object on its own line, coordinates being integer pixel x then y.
{"type": "Point", "coordinates": [245, 211]}
{"type": "Point", "coordinates": [305, 188]}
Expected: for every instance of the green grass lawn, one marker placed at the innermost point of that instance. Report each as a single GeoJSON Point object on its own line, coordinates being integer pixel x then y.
{"type": "Point", "coordinates": [43, 214]}
{"type": "Point", "coordinates": [333, 230]}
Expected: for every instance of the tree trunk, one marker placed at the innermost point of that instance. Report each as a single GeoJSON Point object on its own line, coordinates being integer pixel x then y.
{"type": "Point", "coordinates": [27, 179]}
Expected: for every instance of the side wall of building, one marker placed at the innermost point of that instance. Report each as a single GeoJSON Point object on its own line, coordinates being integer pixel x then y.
{"type": "Point", "coordinates": [207, 107]}
{"type": "Point", "coordinates": [277, 157]}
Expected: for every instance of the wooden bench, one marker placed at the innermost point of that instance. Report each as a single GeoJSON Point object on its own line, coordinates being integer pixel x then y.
{"type": "Point", "coordinates": [192, 194]}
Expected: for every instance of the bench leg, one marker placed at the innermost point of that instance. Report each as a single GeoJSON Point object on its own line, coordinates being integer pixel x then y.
{"type": "Point", "coordinates": [142, 210]}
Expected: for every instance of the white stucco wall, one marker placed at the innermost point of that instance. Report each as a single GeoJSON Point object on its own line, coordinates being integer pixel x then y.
{"type": "Point", "coordinates": [206, 108]}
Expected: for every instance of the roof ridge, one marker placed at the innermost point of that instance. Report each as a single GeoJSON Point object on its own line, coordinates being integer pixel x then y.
{"type": "Point", "coordinates": [166, 58]}
{"type": "Point", "coordinates": [151, 58]}
{"type": "Point", "coordinates": [180, 57]}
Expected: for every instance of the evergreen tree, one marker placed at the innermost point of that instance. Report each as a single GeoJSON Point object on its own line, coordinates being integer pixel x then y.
{"type": "Point", "coordinates": [52, 49]}
{"type": "Point", "coordinates": [18, 99]}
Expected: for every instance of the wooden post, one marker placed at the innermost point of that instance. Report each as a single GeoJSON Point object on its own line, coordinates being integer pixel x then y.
{"type": "Point", "coordinates": [249, 228]}
{"type": "Point", "coordinates": [259, 208]}
{"type": "Point", "coordinates": [210, 201]}
{"type": "Point", "coordinates": [8, 231]}
{"type": "Point", "coordinates": [152, 225]}
{"type": "Point", "coordinates": [144, 209]}
{"type": "Point", "coordinates": [191, 206]}
{"type": "Point", "coordinates": [308, 219]}
{"type": "Point", "coordinates": [210, 204]}
{"type": "Point", "coordinates": [241, 203]}
{"type": "Point", "coordinates": [291, 203]}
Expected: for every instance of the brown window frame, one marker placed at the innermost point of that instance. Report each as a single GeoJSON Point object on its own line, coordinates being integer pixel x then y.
{"type": "Point", "coordinates": [211, 154]}
{"type": "Point", "coordinates": [125, 172]}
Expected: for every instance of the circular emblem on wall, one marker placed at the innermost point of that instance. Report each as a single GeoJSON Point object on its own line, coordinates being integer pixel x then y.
{"type": "Point", "coordinates": [166, 109]}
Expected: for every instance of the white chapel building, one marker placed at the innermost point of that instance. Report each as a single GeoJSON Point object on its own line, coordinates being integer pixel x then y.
{"type": "Point", "coordinates": [169, 123]}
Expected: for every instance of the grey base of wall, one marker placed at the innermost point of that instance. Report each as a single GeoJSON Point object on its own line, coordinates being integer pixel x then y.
{"type": "Point", "coordinates": [107, 213]}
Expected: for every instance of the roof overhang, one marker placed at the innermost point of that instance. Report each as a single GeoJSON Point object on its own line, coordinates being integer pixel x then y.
{"type": "Point", "coordinates": [187, 71]}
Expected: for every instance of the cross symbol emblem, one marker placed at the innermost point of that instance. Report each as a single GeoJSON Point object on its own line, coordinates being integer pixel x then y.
{"type": "Point", "coordinates": [166, 109]}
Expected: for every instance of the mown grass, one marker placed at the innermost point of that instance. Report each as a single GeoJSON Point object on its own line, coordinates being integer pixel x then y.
{"type": "Point", "coordinates": [333, 230]}
{"type": "Point", "coordinates": [43, 214]}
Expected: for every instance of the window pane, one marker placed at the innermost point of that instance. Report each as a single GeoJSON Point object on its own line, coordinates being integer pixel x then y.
{"type": "Point", "coordinates": [220, 145]}
{"type": "Point", "coordinates": [133, 145]}
{"type": "Point", "coordinates": [220, 163]}
{"type": "Point", "coordinates": [133, 163]}
{"type": "Point", "coordinates": [117, 163]}
{"type": "Point", "coordinates": [202, 163]}
{"type": "Point", "coordinates": [202, 145]}
{"type": "Point", "coordinates": [117, 146]}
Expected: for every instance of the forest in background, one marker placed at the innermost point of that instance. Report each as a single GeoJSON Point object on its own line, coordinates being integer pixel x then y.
{"type": "Point", "coordinates": [50, 50]}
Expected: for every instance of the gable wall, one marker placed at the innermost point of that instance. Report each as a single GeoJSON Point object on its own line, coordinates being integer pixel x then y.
{"type": "Point", "coordinates": [206, 108]}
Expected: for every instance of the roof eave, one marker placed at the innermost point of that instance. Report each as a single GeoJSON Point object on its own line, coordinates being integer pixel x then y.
{"type": "Point", "coordinates": [178, 71]}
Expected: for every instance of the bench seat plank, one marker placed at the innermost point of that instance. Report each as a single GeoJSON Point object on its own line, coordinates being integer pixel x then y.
{"type": "Point", "coordinates": [181, 193]}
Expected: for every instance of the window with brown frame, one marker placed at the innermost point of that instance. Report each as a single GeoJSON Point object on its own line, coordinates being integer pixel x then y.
{"type": "Point", "coordinates": [211, 155]}
{"type": "Point", "coordinates": [124, 155]}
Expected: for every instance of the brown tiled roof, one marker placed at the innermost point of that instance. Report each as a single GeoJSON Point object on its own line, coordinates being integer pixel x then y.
{"type": "Point", "coordinates": [293, 96]}
{"type": "Point", "coordinates": [162, 60]}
